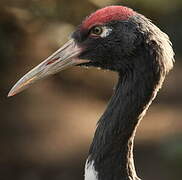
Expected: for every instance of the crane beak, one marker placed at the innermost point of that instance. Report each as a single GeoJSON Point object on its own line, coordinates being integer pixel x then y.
{"type": "Point", "coordinates": [63, 58]}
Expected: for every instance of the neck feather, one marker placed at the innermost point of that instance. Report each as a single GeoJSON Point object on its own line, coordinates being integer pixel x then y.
{"type": "Point", "coordinates": [112, 147]}
{"type": "Point", "coordinates": [111, 152]}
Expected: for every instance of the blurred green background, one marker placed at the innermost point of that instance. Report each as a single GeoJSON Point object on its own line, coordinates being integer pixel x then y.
{"type": "Point", "coordinates": [45, 132]}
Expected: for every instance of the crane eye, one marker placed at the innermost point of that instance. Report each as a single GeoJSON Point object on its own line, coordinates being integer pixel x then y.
{"type": "Point", "coordinates": [96, 30]}
{"type": "Point", "coordinates": [102, 31]}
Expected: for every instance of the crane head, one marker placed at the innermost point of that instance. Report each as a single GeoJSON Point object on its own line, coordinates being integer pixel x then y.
{"type": "Point", "coordinates": [110, 38]}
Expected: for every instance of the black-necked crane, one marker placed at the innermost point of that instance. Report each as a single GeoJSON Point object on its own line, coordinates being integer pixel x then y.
{"type": "Point", "coordinates": [122, 40]}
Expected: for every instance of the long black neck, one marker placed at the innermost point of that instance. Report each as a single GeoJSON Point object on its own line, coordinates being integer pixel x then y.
{"type": "Point", "coordinates": [112, 147]}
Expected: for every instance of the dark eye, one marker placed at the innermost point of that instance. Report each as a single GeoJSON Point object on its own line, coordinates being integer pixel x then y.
{"type": "Point", "coordinates": [96, 30]}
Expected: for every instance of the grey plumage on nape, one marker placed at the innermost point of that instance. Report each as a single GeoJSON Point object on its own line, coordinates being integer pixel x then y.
{"type": "Point", "coordinates": [122, 40]}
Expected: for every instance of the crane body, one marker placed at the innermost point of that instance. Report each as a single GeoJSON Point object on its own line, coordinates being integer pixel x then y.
{"type": "Point", "coordinates": [118, 39]}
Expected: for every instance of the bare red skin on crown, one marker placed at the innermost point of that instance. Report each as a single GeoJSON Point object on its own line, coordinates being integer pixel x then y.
{"type": "Point", "coordinates": [107, 14]}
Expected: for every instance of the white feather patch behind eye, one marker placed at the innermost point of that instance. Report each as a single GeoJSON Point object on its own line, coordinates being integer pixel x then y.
{"type": "Point", "coordinates": [106, 31]}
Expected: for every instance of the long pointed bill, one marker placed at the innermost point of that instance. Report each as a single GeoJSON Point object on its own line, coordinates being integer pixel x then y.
{"type": "Point", "coordinates": [63, 58]}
